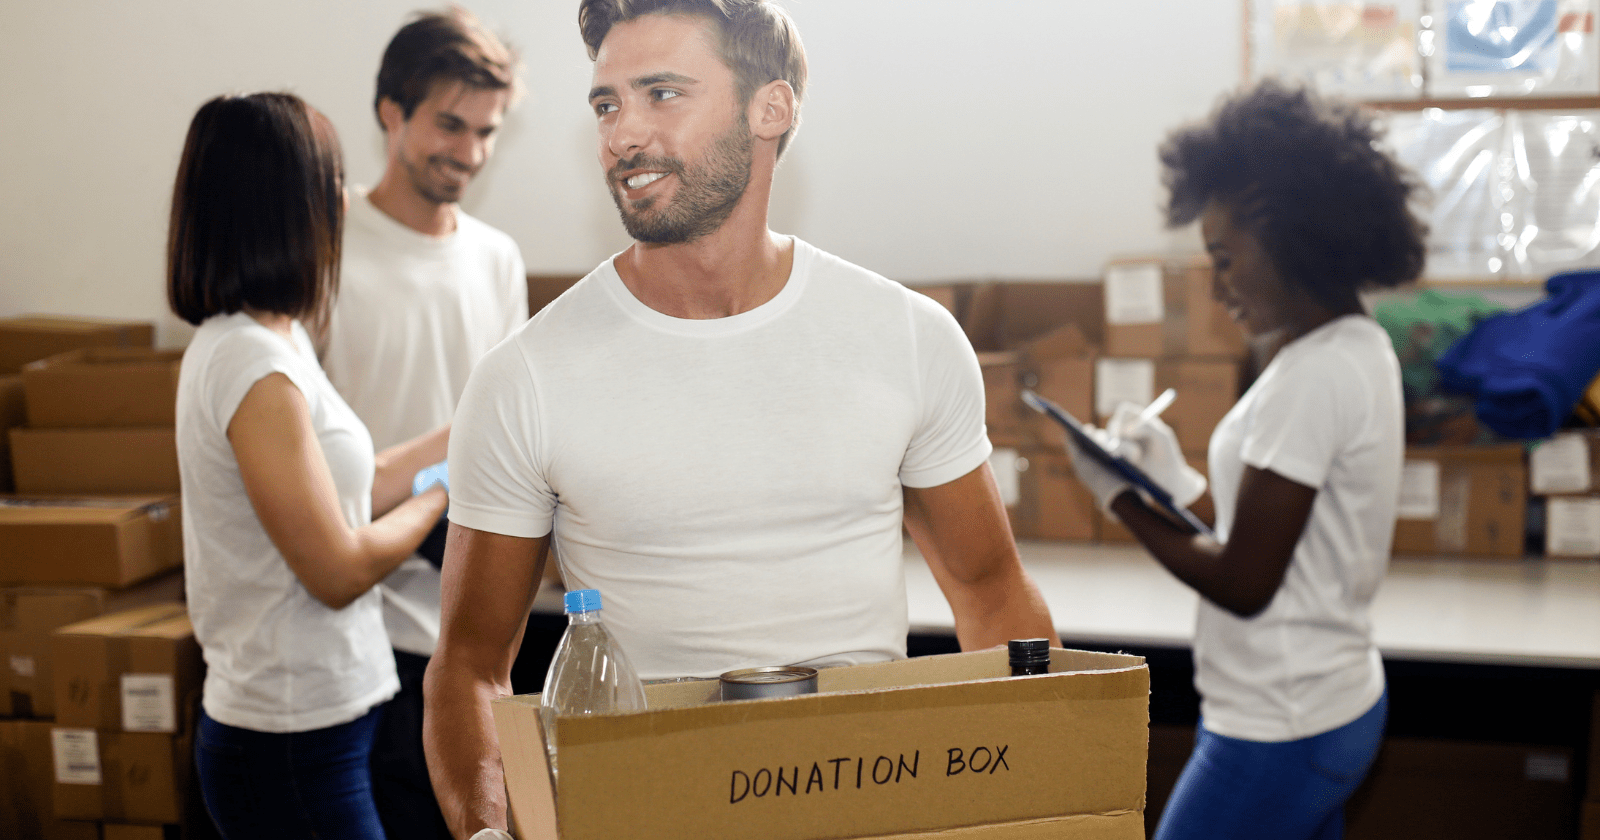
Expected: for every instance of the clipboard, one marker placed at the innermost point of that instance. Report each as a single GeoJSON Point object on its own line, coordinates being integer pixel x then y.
{"type": "Point", "coordinates": [1182, 517]}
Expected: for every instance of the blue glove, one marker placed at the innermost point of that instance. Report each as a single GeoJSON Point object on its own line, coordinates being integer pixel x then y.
{"type": "Point", "coordinates": [428, 476]}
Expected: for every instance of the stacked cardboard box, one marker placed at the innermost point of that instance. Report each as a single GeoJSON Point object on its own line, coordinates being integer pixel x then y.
{"type": "Point", "coordinates": [1043, 337]}
{"type": "Point", "coordinates": [126, 685]}
{"type": "Point", "coordinates": [28, 617]}
{"type": "Point", "coordinates": [31, 337]}
{"type": "Point", "coordinates": [1468, 500]}
{"type": "Point", "coordinates": [99, 421]}
{"type": "Point", "coordinates": [1565, 470]}
{"type": "Point", "coordinates": [1164, 330]}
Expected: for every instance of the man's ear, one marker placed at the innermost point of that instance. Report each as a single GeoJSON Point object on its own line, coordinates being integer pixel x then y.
{"type": "Point", "coordinates": [772, 110]}
{"type": "Point", "coordinates": [391, 115]}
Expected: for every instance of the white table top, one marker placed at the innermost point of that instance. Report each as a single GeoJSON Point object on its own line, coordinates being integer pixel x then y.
{"type": "Point", "coordinates": [1531, 612]}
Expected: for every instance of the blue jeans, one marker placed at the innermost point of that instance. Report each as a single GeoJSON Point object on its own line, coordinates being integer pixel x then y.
{"type": "Point", "coordinates": [1291, 790]}
{"type": "Point", "coordinates": [313, 784]}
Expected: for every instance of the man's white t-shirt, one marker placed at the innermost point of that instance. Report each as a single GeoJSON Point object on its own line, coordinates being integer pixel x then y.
{"type": "Point", "coordinates": [277, 659]}
{"type": "Point", "coordinates": [413, 315]}
{"type": "Point", "coordinates": [733, 487]}
{"type": "Point", "coordinates": [1326, 413]}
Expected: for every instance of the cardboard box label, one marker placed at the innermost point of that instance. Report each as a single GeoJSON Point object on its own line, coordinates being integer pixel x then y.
{"type": "Point", "coordinates": [148, 703]}
{"type": "Point", "coordinates": [1560, 465]}
{"type": "Point", "coordinates": [23, 666]}
{"type": "Point", "coordinates": [1122, 380]}
{"type": "Point", "coordinates": [77, 756]}
{"type": "Point", "coordinates": [1419, 490]}
{"type": "Point", "coordinates": [1134, 294]}
{"type": "Point", "coordinates": [1006, 463]}
{"type": "Point", "coordinates": [1572, 527]}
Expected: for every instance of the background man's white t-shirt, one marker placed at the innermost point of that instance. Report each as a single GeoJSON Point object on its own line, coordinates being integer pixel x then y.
{"type": "Point", "coordinates": [413, 315]}
{"type": "Point", "coordinates": [733, 487]}
{"type": "Point", "coordinates": [1326, 413]}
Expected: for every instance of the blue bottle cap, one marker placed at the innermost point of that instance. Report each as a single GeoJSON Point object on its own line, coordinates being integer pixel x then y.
{"type": "Point", "coordinates": [582, 600]}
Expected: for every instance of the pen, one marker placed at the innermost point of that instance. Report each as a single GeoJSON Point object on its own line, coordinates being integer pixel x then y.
{"type": "Point", "coordinates": [1150, 412]}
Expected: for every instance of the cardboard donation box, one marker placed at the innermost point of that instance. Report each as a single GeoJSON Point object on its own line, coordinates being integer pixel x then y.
{"type": "Point", "coordinates": [1462, 500]}
{"type": "Point", "coordinates": [945, 746]}
{"type": "Point", "coordinates": [102, 387]}
{"type": "Point", "coordinates": [109, 541]}
{"type": "Point", "coordinates": [119, 460]}
{"type": "Point", "coordinates": [32, 337]}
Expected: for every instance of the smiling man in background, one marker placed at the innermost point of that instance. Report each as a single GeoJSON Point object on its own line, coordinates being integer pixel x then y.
{"type": "Point", "coordinates": [722, 428]}
{"type": "Point", "coordinates": [425, 291]}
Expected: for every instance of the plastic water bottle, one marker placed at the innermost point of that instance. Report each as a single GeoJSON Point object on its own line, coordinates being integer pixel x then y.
{"type": "Point", "coordinates": [590, 674]}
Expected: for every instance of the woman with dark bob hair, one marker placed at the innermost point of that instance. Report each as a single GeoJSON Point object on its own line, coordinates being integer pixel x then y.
{"type": "Point", "coordinates": [280, 483]}
{"type": "Point", "coordinates": [1300, 211]}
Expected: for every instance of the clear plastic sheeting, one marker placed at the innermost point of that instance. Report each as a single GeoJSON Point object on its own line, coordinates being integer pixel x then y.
{"type": "Point", "coordinates": [1555, 181]}
{"type": "Point", "coordinates": [1459, 157]}
{"type": "Point", "coordinates": [1479, 48]}
{"type": "Point", "coordinates": [1513, 195]}
{"type": "Point", "coordinates": [1360, 50]}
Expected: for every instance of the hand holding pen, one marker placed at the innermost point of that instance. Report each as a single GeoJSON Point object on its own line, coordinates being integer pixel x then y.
{"type": "Point", "coordinates": [1150, 444]}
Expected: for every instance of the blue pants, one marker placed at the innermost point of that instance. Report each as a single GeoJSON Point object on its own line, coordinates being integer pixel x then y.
{"type": "Point", "coordinates": [289, 785]}
{"type": "Point", "coordinates": [1290, 790]}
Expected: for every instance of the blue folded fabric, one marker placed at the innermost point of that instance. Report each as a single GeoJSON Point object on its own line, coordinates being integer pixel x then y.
{"type": "Point", "coordinates": [1527, 369]}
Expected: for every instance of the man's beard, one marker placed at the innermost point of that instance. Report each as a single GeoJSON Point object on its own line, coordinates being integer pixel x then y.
{"type": "Point", "coordinates": [706, 196]}
{"type": "Point", "coordinates": [425, 185]}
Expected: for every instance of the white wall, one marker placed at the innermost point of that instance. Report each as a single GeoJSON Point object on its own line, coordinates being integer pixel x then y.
{"type": "Point", "coordinates": [941, 141]}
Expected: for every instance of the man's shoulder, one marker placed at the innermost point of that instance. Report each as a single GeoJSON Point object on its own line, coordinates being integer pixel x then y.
{"type": "Point", "coordinates": [848, 278]}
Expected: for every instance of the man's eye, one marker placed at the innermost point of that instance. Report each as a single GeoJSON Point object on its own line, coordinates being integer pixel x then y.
{"type": "Point", "coordinates": [664, 93]}
{"type": "Point", "coordinates": [604, 108]}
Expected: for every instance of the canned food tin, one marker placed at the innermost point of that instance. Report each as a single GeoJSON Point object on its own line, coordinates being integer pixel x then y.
{"type": "Point", "coordinates": [769, 681]}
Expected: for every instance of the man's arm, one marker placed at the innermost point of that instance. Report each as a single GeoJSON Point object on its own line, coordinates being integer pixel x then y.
{"type": "Point", "coordinates": [489, 581]}
{"type": "Point", "coordinates": [962, 531]}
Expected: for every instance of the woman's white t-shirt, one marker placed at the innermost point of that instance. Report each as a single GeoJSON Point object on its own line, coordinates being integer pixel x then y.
{"type": "Point", "coordinates": [278, 660]}
{"type": "Point", "coordinates": [1326, 413]}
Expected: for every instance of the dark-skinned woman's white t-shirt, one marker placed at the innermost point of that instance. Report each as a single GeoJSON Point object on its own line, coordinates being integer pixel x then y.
{"type": "Point", "coordinates": [1327, 413]}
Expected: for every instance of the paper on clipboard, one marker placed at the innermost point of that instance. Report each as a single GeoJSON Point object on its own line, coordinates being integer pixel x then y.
{"type": "Point", "coordinates": [1147, 486]}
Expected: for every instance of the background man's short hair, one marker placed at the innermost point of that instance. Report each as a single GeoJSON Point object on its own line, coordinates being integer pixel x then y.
{"type": "Point", "coordinates": [447, 46]}
{"type": "Point", "coordinates": [1307, 175]}
{"type": "Point", "coordinates": [257, 210]}
{"type": "Point", "coordinates": [758, 40]}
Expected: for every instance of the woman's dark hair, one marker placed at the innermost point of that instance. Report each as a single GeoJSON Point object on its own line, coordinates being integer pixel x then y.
{"type": "Point", "coordinates": [1306, 176]}
{"type": "Point", "coordinates": [257, 210]}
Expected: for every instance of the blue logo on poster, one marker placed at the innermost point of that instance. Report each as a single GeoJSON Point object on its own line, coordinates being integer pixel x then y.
{"type": "Point", "coordinates": [1500, 36]}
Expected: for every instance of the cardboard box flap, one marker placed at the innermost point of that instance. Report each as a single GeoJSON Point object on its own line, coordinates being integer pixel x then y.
{"type": "Point", "coordinates": [83, 510]}
{"type": "Point", "coordinates": [1066, 341]}
{"type": "Point", "coordinates": [124, 623]}
{"type": "Point", "coordinates": [44, 608]}
{"type": "Point", "coordinates": [143, 357]}
{"type": "Point", "coordinates": [928, 744]}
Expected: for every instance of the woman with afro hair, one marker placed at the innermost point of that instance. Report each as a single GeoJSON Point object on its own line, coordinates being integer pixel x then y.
{"type": "Point", "coordinates": [1300, 212]}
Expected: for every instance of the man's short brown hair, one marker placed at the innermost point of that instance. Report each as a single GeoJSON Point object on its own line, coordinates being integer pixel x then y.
{"type": "Point", "coordinates": [758, 41]}
{"type": "Point", "coordinates": [443, 46]}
